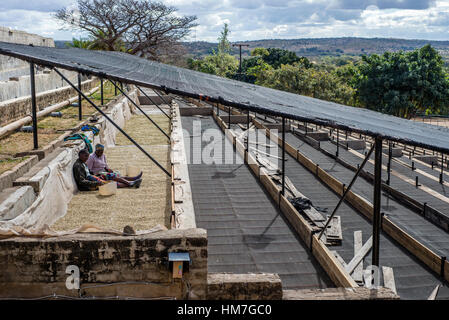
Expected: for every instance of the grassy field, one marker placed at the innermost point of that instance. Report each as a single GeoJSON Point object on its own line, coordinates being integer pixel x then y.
{"type": "Point", "coordinates": [49, 128]}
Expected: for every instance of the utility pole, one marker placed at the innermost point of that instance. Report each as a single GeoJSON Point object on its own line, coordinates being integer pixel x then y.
{"type": "Point", "coordinates": [240, 45]}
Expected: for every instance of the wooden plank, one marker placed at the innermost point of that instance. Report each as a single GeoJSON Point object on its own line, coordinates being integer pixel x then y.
{"type": "Point", "coordinates": [359, 293]}
{"type": "Point", "coordinates": [270, 166]}
{"type": "Point", "coordinates": [301, 226]}
{"type": "Point", "coordinates": [265, 154]}
{"type": "Point", "coordinates": [331, 265]}
{"type": "Point", "coordinates": [315, 216]}
{"type": "Point", "coordinates": [389, 279]}
{"type": "Point", "coordinates": [360, 255]}
{"type": "Point", "coordinates": [333, 232]}
{"type": "Point", "coordinates": [434, 293]}
{"type": "Point", "coordinates": [272, 189]}
{"type": "Point", "coordinates": [339, 258]}
{"type": "Point", "coordinates": [357, 275]}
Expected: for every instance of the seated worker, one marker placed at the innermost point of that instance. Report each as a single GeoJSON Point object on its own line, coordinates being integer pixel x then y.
{"type": "Point", "coordinates": [84, 180]}
{"type": "Point", "coordinates": [98, 166]}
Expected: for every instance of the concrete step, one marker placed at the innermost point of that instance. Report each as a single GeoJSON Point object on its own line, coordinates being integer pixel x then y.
{"type": "Point", "coordinates": [14, 201]}
{"type": "Point", "coordinates": [38, 174]}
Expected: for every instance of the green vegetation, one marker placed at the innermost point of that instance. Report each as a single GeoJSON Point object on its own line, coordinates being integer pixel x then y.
{"type": "Point", "coordinates": [403, 84]}
{"type": "Point", "coordinates": [220, 62]}
{"type": "Point", "coordinates": [397, 83]}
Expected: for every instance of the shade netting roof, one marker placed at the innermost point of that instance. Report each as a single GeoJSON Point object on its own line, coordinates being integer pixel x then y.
{"type": "Point", "coordinates": [134, 70]}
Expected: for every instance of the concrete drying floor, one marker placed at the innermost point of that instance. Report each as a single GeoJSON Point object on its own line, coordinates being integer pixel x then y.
{"type": "Point", "coordinates": [141, 208]}
{"type": "Point", "coordinates": [246, 231]}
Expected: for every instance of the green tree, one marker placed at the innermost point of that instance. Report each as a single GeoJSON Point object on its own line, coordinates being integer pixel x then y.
{"type": "Point", "coordinates": [277, 57]}
{"type": "Point", "coordinates": [224, 46]}
{"type": "Point", "coordinates": [403, 84]}
{"type": "Point", "coordinates": [220, 62]}
{"type": "Point", "coordinates": [82, 43]}
{"type": "Point", "coordinates": [313, 82]}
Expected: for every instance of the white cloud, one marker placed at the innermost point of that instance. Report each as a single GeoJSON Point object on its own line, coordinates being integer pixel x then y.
{"type": "Point", "coordinates": [258, 19]}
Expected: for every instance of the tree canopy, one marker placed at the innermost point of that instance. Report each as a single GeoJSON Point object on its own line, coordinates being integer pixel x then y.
{"type": "Point", "coordinates": [403, 83]}
{"type": "Point", "coordinates": [145, 27]}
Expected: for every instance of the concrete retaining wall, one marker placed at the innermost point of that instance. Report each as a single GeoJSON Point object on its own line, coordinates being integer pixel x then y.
{"type": "Point", "coordinates": [37, 267]}
{"type": "Point", "coordinates": [14, 201]}
{"type": "Point", "coordinates": [18, 92]}
{"type": "Point", "coordinates": [248, 286]}
{"type": "Point", "coordinates": [7, 178]}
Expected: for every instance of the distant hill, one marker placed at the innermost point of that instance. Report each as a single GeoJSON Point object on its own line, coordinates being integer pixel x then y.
{"type": "Point", "coordinates": [325, 46]}
{"type": "Point", "coordinates": [61, 43]}
{"type": "Point", "coordinates": [319, 47]}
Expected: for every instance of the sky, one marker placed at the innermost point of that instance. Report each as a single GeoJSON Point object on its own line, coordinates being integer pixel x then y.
{"type": "Point", "coordinates": [268, 19]}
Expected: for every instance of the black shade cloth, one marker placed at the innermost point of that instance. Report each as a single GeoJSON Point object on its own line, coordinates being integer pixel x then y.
{"type": "Point", "coordinates": [130, 69]}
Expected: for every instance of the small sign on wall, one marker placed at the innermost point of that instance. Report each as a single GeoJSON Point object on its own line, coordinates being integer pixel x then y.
{"type": "Point", "coordinates": [178, 259]}
{"type": "Point", "coordinates": [177, 269]}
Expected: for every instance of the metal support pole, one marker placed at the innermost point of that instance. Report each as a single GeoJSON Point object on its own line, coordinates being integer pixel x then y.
{"type": "Point", "coordinates": [151, 100]}
{"type": "Point", "coordinates": [359, 169]}
{"type": "Point", "coordinates": [247, 131]}
{"type": "Point", "coordinates": [390, 153]}
{"type": "Point", "coordinates": [377, 219]}
{"type": "Point", "coordinates": [140, 109]}
{"type": "Point", "coordinates": [283, 156]}
{"type": "Point", "coordinates": [113, 123]}
{"type": "Point", "coordinates": [162, 98]}
{"type": "Point", "coordinates": [338, 143]}
{"type": "Point", "coordinates": [80, 108]}
{"type": "Point", "coordinates": [101, 91]}
{"type": "Point", "coordinates": [34, 106]}
{"type": "Point", "coordinates": [229, 117]}
{"type": "Point", "coordinates": [442, 169]}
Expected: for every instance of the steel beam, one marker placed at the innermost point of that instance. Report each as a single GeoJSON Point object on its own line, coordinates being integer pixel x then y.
{"type": "Point", "coordinates": [247, 131]}
{"type": "Point", "coordinates": [338, 143]}
{"type": "Point", "coordinates": [140, 109]}
{"type": "Point", "coordinates": [377, 219]}
{"type": "Point", "coordinates": [80, 108]}
{"type": "Point", "coordinates": [113, 123]}
{"type": "Point", "coordinates": [34, 106]}
{"type": "Point", "coordinates": [101, 91]}
{"type": "Point", "coordinates": [359, 169]}
{"type": "Point", "coordinates": [390, 153]}
{"type": "Point", "coordinates": [162, 98]}
{"type": "Point", "coordinates": [283, 156]}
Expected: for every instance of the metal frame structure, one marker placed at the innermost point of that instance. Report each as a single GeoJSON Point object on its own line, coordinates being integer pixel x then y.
{"type": "Point", "coordinates": [80, 108]}
{"type": "Point", "coordinates": [377, 219]}
{"type": "Point", "coordinates": [34, 106]}
{"type": "Point", "coordinates": [101, 91]}
{"type": "Point", "coordinates": [152, 101]}
{"type": "Point", "coordinates": [283, 156]}
{"type": "Point", "coordinates": [360, 168]}
{"type": "Point", "coordinates": [140, 109]}
{"type": "Point", "coordinates": [113, 123]}
{"type": "Point", "coordinates": [377, 146]}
